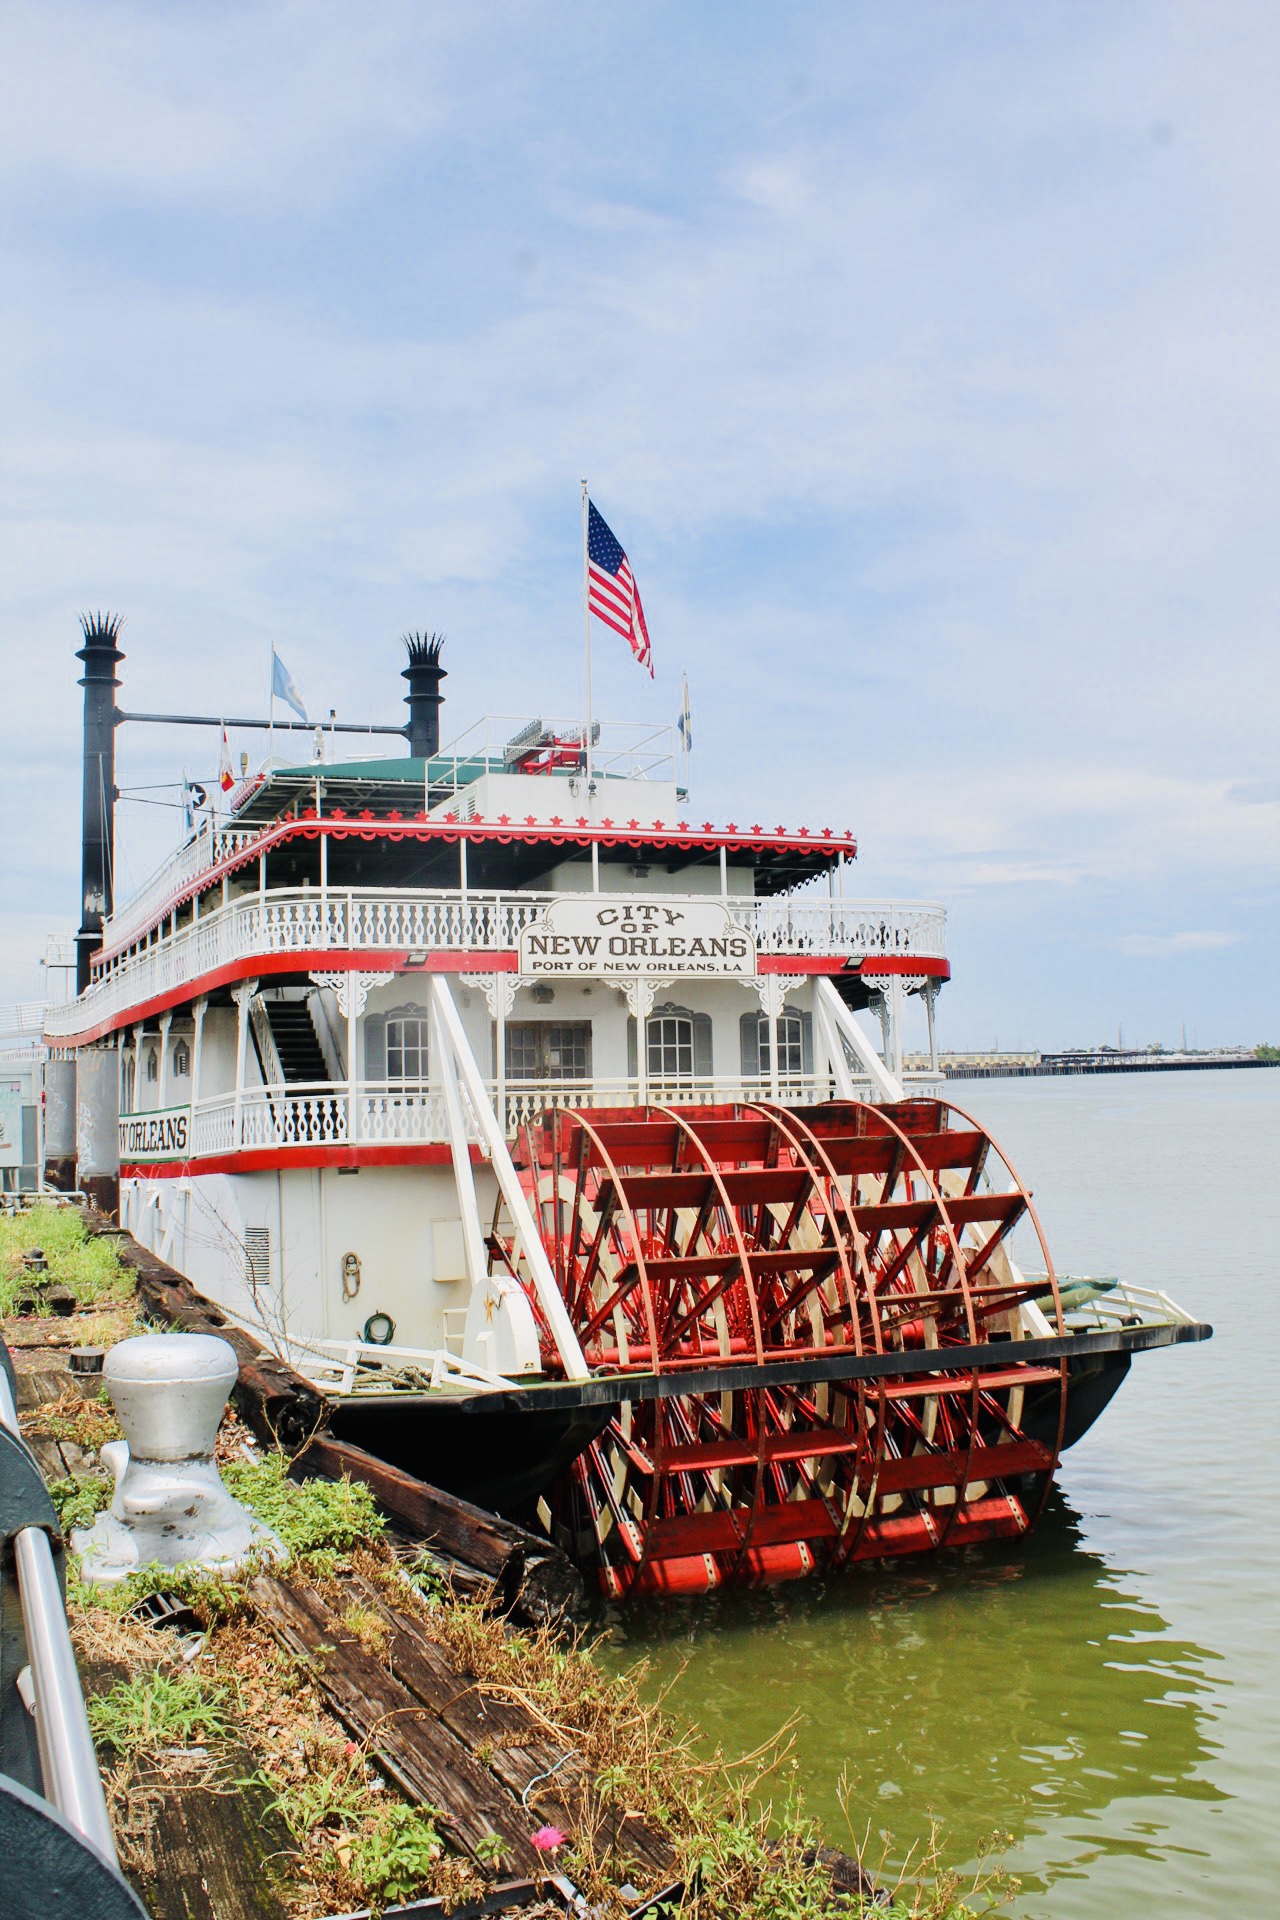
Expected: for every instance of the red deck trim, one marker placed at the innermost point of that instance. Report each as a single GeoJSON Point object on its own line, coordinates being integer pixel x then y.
{"type": "Point", "coordinates": [504, 831]}
{"type": "Point", "coordinates": [904, 963]}
{"type": "Point", "coordinates": [371, 960]}
{"type": "Point", "coordinates": [391, 1153]}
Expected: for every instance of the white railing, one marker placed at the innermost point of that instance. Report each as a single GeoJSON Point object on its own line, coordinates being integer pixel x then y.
{"type": "Point", "coordinates": [175, 876]}
{"type": "Point", "coordinates": [477, 924]}
{"type": "Point", "coordinates": [322, 1114]}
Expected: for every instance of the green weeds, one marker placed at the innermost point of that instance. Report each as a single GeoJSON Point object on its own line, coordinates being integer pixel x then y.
{"type": "Point", "coordinates": [77, 1503]}
{"type": "Point", "coordinates": [395, 1858]}
{"type": "Point", "coordinates": [159, 1709]}
{"type": "Point", "coordinates": [310, 1516]}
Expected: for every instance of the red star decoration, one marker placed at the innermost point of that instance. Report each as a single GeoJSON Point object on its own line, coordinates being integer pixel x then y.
{"type": "Point", "coordinates": [393, 815]}
{"type": "Point", "coordinates": [606, 823]}
{"type": "Point", "coordinates": [366, 813]}
{"type": "Point", "coordinates": [451, 816]}
{"type": "Point", "coordinates": [757, 828]}
{"type": "Point", "coordinates": [682, 826]}
{"type": "Point", "coordinates": [803, 832]}
{"type": "Point", "coordinates": [708, 826]}
{"type": "Point", "coordinates": [660, 826]}
{"type": "Point", "coordinates": [581, 821]}
{"type": "Point", "coordinates": [504, 819]}
{"type": "Point", "coordinates": [531, 820]}
{"type": "Point", "coordinates": [826, 833]}
{"type": "Point", "coordinates": [556, 821]}
{"type": "Point", "coordinates": [732, 827]}
{"type": "Point", "coordinates": [633, 823]}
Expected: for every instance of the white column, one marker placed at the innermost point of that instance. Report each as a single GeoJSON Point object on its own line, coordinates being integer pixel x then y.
{"type": "Point", "coordinates": [243, 997]}
{"type": "Point", "coordinates": [351, 990]}
{"type": "Point", "coordinates": [162, 1081]}
{"type": "Point", "coordinates": [930, 994]}
{"type": "Point", "coordinates": [324, 882]}
{"type": "Point", "coordinates": [198, 1010]}
{"type": "Point", "coordinates": [639, 994]}
{"type": "Point", "coordinates": [895, 1024]}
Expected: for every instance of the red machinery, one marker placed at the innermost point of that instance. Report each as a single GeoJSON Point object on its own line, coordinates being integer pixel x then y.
{"type": "Point", "coordinates": [767, 1241]}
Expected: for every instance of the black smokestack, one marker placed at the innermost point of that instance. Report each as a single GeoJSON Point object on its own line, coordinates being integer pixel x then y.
{"type": "Point", "coordinates": [97, 839]}
{"type": "Point", "coordinates": [424, 698]}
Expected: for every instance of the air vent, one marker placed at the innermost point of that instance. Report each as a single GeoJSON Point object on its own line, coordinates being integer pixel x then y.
{"type": "Point", "coordinates": [257, 1257]}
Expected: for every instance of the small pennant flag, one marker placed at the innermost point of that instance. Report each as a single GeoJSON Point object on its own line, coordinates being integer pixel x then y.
{"type": "Point", "coordinates": [611, 592]}
{"type": "Point", "coordinates": [193, 796]}
{"type": "Point", "coordinates": [226, 778]}
{"type": "Point", "coordinates": [684, 725]}
{"type": "Point", "coordinates": [282, 687]}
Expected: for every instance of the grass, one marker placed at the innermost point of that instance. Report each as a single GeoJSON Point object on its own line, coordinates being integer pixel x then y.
{"type": "Point", "coordinates": [86, 1266]}
{"type": "Point", "coordinates": [160, 1709]}
{"type": "Point", "coordinates": [88, 1423]}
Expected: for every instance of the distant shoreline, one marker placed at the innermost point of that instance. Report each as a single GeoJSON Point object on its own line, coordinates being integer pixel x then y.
{"type": "Point", "coordinates": [1056, 1066]}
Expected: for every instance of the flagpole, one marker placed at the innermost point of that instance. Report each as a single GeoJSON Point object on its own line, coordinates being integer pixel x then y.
{"type": "Point", "coordinates": [586, 624]}
{"type": "Point", "coordinates": [271, 704]}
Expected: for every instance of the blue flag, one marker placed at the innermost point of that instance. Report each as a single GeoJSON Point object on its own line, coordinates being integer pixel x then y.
{"type": "Point", "coordinates": [282, 687]}
{"type": "Point", "coordinates": [685, 722]}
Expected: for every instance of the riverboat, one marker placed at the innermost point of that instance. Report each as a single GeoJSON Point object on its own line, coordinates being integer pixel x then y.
{"type": "Point", "coordinates": [532, 1120]}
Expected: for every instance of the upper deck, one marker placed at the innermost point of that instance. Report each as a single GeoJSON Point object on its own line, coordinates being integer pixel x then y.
{"type": "Point", "coordinates": [445, 864]}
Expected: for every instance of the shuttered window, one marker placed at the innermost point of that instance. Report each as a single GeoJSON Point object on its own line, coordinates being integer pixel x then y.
{"type": "Point", "coordinates": [548, 1050]}
{"type": "Point", "coordinates": [795, 1044]}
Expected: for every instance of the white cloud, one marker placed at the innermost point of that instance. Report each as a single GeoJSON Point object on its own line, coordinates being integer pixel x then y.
{"type": "Point", "coordinates": [1162, 946]}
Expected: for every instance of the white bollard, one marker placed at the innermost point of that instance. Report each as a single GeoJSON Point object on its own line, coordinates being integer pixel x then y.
{"type": "Point", "coordinates": [169, 1506]}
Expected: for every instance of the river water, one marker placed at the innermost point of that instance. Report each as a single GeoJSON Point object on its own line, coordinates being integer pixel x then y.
{"type": "Point", "coordinates": [1106, 1691]}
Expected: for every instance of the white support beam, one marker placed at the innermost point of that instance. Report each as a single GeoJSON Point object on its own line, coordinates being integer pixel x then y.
{"type": "Point", "coordinates": [442, 1058]}
{"type": "Point", "coordinates": [846, 1028]}
{"type": "Point", "coordinates": [550, 1299]}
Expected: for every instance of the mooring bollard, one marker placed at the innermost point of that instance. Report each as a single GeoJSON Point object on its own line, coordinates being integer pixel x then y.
{"type": "Point", "coordinates": [170, 1506]}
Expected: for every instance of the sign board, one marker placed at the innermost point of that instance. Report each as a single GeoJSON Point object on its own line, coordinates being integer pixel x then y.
{"type": "Point", "coordinates": [10, 1123]}
{"type": "Point", "coordinates": [593, 934]}
{"type": "Point", "coordinates": [165, 1135]}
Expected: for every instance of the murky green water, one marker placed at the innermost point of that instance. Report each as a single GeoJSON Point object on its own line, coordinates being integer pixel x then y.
{"type": "Point", "coordinates": [1106, 1691]}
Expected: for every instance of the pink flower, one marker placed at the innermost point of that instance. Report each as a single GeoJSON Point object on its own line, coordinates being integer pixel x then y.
{"type": "Point", "coordinates": [350, 1751]}
{"type": "Point", "coordinates": [547, 1839]}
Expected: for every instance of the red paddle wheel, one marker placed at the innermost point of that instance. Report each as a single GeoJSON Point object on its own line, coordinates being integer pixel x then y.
{"type": "Point", "coordinates": [723, 1240]}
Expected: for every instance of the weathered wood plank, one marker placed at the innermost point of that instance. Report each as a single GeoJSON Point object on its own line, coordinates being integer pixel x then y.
{"type": "Point", "coordinates": [426, 1761]}
{"type": "Point", "coordinates": [529, 1575]}
{"type": "Point", "coordinates": [527, 1755]}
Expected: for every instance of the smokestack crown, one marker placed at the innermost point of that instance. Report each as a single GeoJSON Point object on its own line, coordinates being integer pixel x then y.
{"type": "Point", "coordinates": [424, 698]}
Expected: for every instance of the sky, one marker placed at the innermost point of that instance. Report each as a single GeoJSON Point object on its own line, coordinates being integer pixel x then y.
{"type": "Point", "coordinates": [923, 358]}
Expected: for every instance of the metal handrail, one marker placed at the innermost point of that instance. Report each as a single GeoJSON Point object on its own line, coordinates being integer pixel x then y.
{"type": "Point", "coordinates": [72, 1781]}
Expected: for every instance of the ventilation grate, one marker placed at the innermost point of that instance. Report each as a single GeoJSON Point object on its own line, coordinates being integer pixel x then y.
{"type": "Point", "coordinates": [257, 1257]}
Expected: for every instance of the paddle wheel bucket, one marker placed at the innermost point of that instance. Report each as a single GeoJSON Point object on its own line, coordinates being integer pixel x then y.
{"type": "Point", "coordinates": [737, 1237]}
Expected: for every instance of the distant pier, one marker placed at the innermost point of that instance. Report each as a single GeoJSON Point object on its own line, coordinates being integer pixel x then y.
{"type": "Point", "coordinates": [1026, 1066]}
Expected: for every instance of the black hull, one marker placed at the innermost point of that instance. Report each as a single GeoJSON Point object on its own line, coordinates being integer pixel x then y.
{"type": "Point", "coordinates": [1093, 1380]}
{"type": "Point", "coordinates": [496, 1456]}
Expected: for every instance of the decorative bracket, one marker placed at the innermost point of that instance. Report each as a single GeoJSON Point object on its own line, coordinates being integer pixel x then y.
{"type": "Point", "coordinates": [351, 990]}
{"type": "Point", "coordinates": [639, 994]}
{"type": "Point", "coordinates": [773, 989]}
{"type": "Point", "coordinates": [499, 990]}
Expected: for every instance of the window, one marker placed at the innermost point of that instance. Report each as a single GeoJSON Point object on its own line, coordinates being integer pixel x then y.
{"type": "Point", "coordinates": [671, 1046]}
{"type": "Point", "coordinates": [153, 1065]}
{"type": "Point", "coordinates": [396, 1046]}
{"type": "Point", "coordinates": [795, 1044]}
{"type": "Point", "coordinates": [548, 1050]}
{"type": "Point", "coordinates": [677, 1045]}
{"type": "Point", "coordinates": [181, 1061]}
{"type": "Point", "coordinates": [406, 1047]}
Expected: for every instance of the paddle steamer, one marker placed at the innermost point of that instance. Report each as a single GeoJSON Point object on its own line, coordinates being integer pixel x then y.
{"type": "Point", "coordinates": [533, 1119]}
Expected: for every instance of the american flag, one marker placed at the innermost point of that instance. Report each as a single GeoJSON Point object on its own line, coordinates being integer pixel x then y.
{"type": "Point", "coordinates": [611, 592]}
